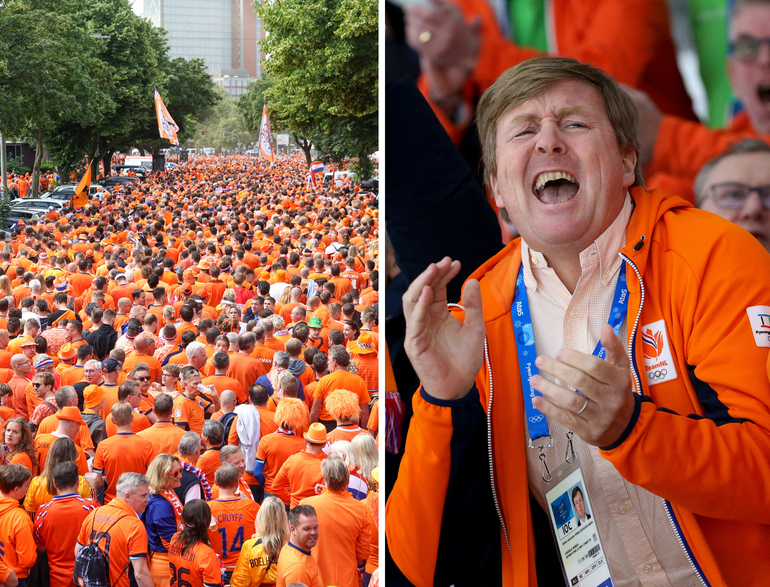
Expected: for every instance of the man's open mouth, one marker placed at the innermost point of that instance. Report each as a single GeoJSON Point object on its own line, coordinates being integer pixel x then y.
{"type": "Point", "coordinates": [763, 92]}
{"type": "Point", "coordinates": [555, 187]}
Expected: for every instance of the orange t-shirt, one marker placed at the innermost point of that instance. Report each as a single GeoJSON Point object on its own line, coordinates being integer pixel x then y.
{"type": "Point", "coordinates": [339, 380]}
{"type": "Point", "coordinates": [245, 369]}
{"type": "Point", "coordinates": [43, 444]}
{"type": "Point", "coordinates": [223, 383]}
{"type": "Point", "coordinates": [123, 453]}
{"type": "Point", "coordinates": [16, 536]}
{"type": "Point", "coordinates": [235, 524]}
{"type": "Point", "coordinates": [345, 432]}
{"type": "Point", "coordinates": [209, 463]}
{"type": "Point", "coordinates": [57, 525]}
{"type": "Point", "coordinates": [164, 437]}
{"type": "Point", "coordinates": [136, 358]}
{"type": "Point", "coordinates": [189, 412]}
{"type": "Point", "coordinates": [264, 355]}
{"type": "Point", "coordinates": [121, 535]}
{"type": "Point", "coordinates": [274, 449]}
{"type": "Point", "coordinates": [198, 566]}
{"type": "Point", "coordinates": [299, 475]}
{"type": "Point", "coordinates": [139, 423]}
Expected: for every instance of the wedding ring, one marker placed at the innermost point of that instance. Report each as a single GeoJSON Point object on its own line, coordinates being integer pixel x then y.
{"type": "Point", "coordinates": [425, 36]}
{"type": "Point", "coordinates": [583, 408]}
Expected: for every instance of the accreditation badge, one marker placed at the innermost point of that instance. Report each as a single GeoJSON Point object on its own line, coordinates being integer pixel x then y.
{"type": "Point", "coordinates": [583, 561]}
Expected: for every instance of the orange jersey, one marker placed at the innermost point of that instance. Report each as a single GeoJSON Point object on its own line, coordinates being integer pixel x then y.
{"type": "Point", "coordinates": [299, 475]}
{"type": "Point", "coordinates": [189, 412]}
{"type": "Point", "coordinates": [198, 566]}
{"type": "Point", "coordinates": [297, 566]}
{"type": "Point", "coordinates": [164, 437]}
{"type": "Point", "coordinates": [340, 380]}
{"type": "Point", "coordinates": [345, 432]}
{"type": "Point", "coordinates": [209, 462]}
{"type": "Point", "coordinates": [235, 524]}
{"type": "Point", "coordinates": [43, 444]}
{"type": "Point", "coordinates": [246, 369]}
{"type": "Point", "coordinates": [138, 424]}
{"type": "Point", "coordinates": [57, 525]}
{"type": "Point", "coordinates": [123, 453]}
{"type": "Point", "coordinates": [223, 383]}
{"type": "Point", "coordinates": [273, 450]}
{"type": "Point", "coordinates": [83, 438]}
{"type": "Point", "coordinates": [18, 543]}
{"type": "Point", "coordinates": [120, 534]}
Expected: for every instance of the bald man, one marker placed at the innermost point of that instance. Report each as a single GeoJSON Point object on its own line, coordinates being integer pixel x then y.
{"type": "Point", "coordinates": [22, 375]}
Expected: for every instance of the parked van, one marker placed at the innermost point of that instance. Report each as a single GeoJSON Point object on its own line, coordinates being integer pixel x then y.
{"type": "Point", "coordinates": [145, 162]}
{"type": "Point", "coordinates": [337, 177]}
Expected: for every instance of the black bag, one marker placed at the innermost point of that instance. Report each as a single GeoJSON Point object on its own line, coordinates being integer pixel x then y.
{"type": "Point", "coordinates": [91, 566]}
{"type": "Point", "coordinates": [227, 422]}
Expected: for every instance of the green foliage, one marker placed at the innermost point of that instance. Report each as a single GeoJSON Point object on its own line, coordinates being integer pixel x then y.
{"type": "Point", "coordinates": [5, 210]}
{"type": "Point", "coordinates": [323, 70]}
{"type": "Point", "coordinates": [15, 165]}
{"type": "Point", "coordinates": [225, 120]}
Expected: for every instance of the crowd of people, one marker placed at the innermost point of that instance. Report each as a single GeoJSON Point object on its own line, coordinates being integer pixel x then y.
{"type": "Point", "coordinates": [189, 384]}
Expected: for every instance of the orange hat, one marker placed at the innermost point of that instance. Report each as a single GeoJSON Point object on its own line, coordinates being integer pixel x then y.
{"type": "Point", "coordinates": [64, 242]}
{"type": "Point", "coordinates": [204, 265]}
{"type": "Point", "coordinates": [317, 434]}
{"type": "Point", "coordinates": [364, 345]}
{"type": "Point", "coordinates": [67, 351]}
{"type": "Point", "coordinates": [188, 276]}
{"type": "Point", "coordinates": [280, 276]}
{"type": "Point", "coordinates": [30, 342]}
{"type": "Point", "coordinates": [89, 253]}
{"type": "Point", "coordinates": [93, 395]}
{"type": "Point", "coordinates": [70, 413]}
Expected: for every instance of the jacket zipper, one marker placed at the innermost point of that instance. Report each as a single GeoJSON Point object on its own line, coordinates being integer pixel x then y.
{"type": "Point", "coordinates": [634, 370]}
{"type": "Point", "coordinates": [489, 437]}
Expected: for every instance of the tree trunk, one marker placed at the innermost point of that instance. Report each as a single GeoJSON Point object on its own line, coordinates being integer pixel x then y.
{"type": "Point", "coordinates": [3, 166]}
{"type": "Point", "coordinates": [38, 161]}
{"type": "Point", "coordinates": [108, 163]}
{"type": "Point", "coordinates": [305, 146]}
{"type": "Point", "coordinates": [364, 164]}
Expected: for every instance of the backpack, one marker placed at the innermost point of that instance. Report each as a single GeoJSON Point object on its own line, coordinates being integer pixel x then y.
{"type": "Point", "coordinates": [227, 422]}
{"type": "Point", "coordinates": [91, 566]}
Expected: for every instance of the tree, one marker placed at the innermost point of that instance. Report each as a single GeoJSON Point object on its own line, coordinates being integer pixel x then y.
{"type": "Point", "coordinates": [323, 68]}
{"type": "Point", "coordinates": [53, 39]}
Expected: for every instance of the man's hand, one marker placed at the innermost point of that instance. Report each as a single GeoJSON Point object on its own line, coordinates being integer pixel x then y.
{"type": "Point", "coordinates": [446, 354]}
{"type": "Point", "coordinates": [448, 48]}
{"type": "Point", "coordinates": [606, 386]}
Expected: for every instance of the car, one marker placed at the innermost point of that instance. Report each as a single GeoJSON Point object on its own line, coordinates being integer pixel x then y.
{"type": "Point", "coordinates": [37, 204]}
{"type": "Point", "coordinates": [63, 192]}
{"type": "Point", "coordinates": [114, 180]}
{"type": "Point", "coordinates": [18, 214]}
{"type": "Point", "coordinates": [139, 170]}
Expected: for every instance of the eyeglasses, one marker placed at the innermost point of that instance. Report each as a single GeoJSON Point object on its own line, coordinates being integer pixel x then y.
{"type": "Point", "coordinates": [733, 195]}
{"type": "Point", "coordinates": [143, 378]}
{"type": "Point", "coordinates": [746, 48]}
{"type": "Point", "coordinates": [175, 474]}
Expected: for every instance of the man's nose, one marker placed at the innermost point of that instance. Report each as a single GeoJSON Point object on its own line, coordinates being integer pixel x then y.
{"type": "Point", "coordinates": [550, 140]}
{"type": "Point", "coordinates": [752, 207]}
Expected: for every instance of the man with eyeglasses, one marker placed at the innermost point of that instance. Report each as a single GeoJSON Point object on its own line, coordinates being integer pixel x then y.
{"type": "Point", "coordinates": [130, 393]}
{"type": "Point", "coordinates": [42, 385]}
{"type": "Point", "coordinates": [675, 149]}
{"type": "Point", "coordinates": [736, 186]}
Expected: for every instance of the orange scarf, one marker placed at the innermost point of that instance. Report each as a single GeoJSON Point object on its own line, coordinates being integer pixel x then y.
{"type": "Point", "coordinates": [176, 504]}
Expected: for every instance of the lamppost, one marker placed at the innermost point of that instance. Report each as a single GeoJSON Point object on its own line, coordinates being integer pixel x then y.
{"type": "Point", "coordinates": [224, 132]}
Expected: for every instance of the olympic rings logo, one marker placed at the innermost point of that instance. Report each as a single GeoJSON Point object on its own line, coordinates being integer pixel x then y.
{"type": "Point", "coordinates": [536, 419]}
{"type": "Point", "coordinates": [657, 375]}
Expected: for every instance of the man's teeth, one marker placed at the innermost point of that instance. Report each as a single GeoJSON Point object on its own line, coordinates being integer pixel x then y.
{"type": "Point", "coordinates": [544, 178]}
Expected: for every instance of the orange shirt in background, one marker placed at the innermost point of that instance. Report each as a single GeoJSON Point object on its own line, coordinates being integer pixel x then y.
{"type": "Point", "coordinates": [235, 524]}
{"type": "Point", "coordinates": [123, 453]}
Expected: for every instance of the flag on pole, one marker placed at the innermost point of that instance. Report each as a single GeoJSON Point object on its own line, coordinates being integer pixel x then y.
{"type": "Point", "coordinates": [166, 125]}
{"type": "Point", "coordinates": [266, 136]}
{"type": "Point", "coordinates": [315, 168]}
{"type": "Point", "coordinates": [80, 198]}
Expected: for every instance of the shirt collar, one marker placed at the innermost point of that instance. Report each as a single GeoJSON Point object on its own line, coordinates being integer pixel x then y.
{"type": "Point", "coordinates": [604, 250]}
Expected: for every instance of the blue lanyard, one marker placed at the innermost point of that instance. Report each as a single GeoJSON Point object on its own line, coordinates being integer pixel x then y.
{"type": "Point", "coordinates": [525, 344]}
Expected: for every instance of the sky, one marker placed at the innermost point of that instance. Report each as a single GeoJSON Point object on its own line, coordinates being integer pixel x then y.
{"type": "Point", "coordinates": [138, 6]}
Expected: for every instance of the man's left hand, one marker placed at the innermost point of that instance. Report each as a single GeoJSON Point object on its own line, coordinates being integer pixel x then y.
{"type": "Point", "coordinates": [607, 403]}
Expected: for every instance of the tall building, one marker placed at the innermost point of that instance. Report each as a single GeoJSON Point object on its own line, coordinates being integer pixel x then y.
{"type": "Point", "coordinates": [224, 33]}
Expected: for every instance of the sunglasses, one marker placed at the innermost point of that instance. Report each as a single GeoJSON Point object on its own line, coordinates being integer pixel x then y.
{"type": "Point", "coordinates": [175, 474]}
{"type": "Point", "coordinates": [38, 384]}
{"type": "Point", "coordinates": [143, 378]}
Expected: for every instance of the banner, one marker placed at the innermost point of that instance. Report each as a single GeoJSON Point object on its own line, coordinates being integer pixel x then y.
{"type": "Point", "coordinates": [266, 136]}
{"type": "Point", "coordinates": [166, 125]}
{"type": "Point", "coordinates": [80, 198]}
{"type": "Point", "coordinates": [316, 167]}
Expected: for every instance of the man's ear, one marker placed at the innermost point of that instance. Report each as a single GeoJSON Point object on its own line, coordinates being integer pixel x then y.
{"type": "Point", "coordinates": [629, 167]}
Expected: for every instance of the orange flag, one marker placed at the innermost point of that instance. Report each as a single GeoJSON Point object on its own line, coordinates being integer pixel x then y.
{"type": "Point", "coordinates": [80, 198]}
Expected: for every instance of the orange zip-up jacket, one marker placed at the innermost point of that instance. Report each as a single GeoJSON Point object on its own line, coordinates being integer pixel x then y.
{"type": "Point", "coordinates": [699, 441]}
{"type": "Point", "coordinates": [629, 39]}
{"type": "Point", "coordinates": [19, 551]}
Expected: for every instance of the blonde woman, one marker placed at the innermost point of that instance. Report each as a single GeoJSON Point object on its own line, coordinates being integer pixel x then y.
{"type": "Point", "coordinates": [356, 484]}
{"type": "Point", "coordinates": [258, 560]}
{"type": "Point", "coordinates": [363, 452]}
{"type": "Point", "coordinates": [163, 515]}
{"type": "Point", "coordinates": [5, 286]}
{"type": "Point", "coordinates": [41, 488]}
